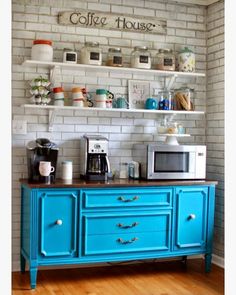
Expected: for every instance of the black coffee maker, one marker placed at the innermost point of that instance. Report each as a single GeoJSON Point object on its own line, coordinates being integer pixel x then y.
{"type": "Point", "coordinates": [94, 163]}
{"type": "Point", "coordinates": [41, 149]}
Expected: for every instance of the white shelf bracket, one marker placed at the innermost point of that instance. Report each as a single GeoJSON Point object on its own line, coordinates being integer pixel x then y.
{"type": "Point", "coordinates": [53, 73]}
{"type": "Point", "coordinates": [51, 118]}
{"type": "Point", "coordinates": [170, 81]}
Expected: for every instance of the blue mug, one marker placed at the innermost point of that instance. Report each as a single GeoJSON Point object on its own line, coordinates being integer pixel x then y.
{"type": "Point", "coordinates": [151, 104]}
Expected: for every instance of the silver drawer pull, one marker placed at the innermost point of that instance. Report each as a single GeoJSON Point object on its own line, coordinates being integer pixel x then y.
{"type": "Point", "coordinates": [121, 241]}
{"type": "Point", "coordinates": [127, 226]}
{"type": "Point", "coordinates": [128, 200]}
{"type": "Point", "coordinates": [191, 216]}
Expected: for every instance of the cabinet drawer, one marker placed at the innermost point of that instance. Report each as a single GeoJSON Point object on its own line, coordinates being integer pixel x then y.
{"type": "Point", "coordinates": [131, 242]}
{"type": "Point", "coordinates": [119, 224]}
{"type": "Point", "coordinates": [105, 198]}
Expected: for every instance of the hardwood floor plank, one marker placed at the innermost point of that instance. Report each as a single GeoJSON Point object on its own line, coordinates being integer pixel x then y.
{"type": "Point", "coordinates": [157, 278]}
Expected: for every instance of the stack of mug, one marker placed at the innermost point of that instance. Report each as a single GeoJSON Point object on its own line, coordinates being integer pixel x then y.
{"type": "Point", "coordinates": [58, 96]}
{"type": "Point", "coordinates": [77, 97]}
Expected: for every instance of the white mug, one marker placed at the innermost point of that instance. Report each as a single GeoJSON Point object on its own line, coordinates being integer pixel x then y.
{"type": "Point", "coordinates": [45, 168]}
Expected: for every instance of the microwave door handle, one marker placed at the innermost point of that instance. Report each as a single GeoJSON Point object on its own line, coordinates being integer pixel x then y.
{"type": "Point", "coordinates": [108, 165]}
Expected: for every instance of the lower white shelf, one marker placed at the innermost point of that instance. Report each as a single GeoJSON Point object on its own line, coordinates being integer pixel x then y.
{"type": "Point", "coordinates": [171, 112]}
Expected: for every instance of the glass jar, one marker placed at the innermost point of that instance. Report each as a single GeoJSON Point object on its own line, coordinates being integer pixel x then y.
{"type": "Point", "coordinates": [91, 54]}
{"type": "Point", "coordinates": [183, 99]}
{"type": "Point", "coordinates": [42, 50]}
{"type": "Point", "coordinates": [165, 98]}
{"type": "Point", "coordinates": [186, 60]}
{"type": "Point", "coordinates": [165, 60]}
{"type": "Point", "coordinates": [114, 58]}
{"type": "Point", "coordinates": [141, 58]}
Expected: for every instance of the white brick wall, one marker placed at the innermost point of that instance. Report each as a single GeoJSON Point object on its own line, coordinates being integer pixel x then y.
{"type": "Point", "coordinates": [215, 114]}
{"type": "Point", "coordinates": [186, 25]}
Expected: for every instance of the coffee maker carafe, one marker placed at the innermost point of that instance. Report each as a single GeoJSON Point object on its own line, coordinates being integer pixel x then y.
{"type": "Point", "coordinates": [41, 149]}
{"type": "Point", "coordinates": [94, 163]}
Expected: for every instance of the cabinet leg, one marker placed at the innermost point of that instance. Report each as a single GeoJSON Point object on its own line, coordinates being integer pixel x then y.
{"type": "Point", "coordinates": [22, 263]}
{"type": "Point", "coordinates": [33, 277]}
{"type": "Point", "coordinates": [208, 262]}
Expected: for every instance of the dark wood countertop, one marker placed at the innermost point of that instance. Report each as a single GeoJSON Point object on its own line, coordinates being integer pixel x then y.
{"type": "Point", "coordinates": [79, 183]}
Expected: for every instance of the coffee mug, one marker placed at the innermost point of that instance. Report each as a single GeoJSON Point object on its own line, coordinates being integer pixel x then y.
{"type": "Point", "coordinates": [120, 103]}
{"type": "Point", "coordinates": [45, 168]}
{"type": "Point", "coordinates": [151, 104]}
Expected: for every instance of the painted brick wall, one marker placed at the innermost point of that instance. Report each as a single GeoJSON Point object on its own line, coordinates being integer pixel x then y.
{"type": "Point", "coordinates": [215, 114]}
{"type": "Point", "coordinates": [34, 19]}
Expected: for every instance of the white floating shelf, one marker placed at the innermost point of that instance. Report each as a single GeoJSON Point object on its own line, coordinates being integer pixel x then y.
{"type": "Point", "coordinates": [52, 65]}
{"type": "Point", "coordinates": [52, 107]}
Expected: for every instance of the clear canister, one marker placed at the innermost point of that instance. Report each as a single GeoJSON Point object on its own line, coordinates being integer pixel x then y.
{"type": "Point", "coordinates": [141, 58]}
{"type": "Point", "coordinates": [165, 98]}
{"type": "Point", "coordinates": [91, 54]}
{"type": "Point", "coordinates": [165, 60]}
{"type": "Point", "coordinates": [183, 99]}
{"type": "Point", "coordinates": [114, 58]}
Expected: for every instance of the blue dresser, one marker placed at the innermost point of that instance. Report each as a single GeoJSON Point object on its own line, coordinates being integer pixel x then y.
{"type": "Point", "coordinates": [81, 223]}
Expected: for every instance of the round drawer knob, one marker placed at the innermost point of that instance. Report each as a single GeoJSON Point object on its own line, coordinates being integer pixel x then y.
{"type": "Point", "coordinates": [59, 222]}
{"type": "Point", "coordinates": [192, 216]}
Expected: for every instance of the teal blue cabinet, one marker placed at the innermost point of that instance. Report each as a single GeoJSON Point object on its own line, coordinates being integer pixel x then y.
{"type": "Point", "coordinates": [80, 225]}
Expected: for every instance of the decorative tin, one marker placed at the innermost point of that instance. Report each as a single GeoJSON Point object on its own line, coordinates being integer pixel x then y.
{"type": "Point", "coordinates": [186, 60]}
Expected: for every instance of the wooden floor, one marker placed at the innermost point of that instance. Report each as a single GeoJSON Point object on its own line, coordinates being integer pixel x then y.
{"type": "Point", "coordinates": [159, 278]}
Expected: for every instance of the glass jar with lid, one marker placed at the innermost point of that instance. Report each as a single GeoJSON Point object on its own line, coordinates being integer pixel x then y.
{"type": "Point", "coordinates": [91, 54]}
{"type": "Point", "coordinates": [165, 98]}
{"type": "Point", "coordinates": [165, 60]}
{"type": "Point", "coordinates": [114, 58]}
{"type": "Point", "coordinates": [141, 58]}
{"type": "Point", "coordinates": [184, 99]}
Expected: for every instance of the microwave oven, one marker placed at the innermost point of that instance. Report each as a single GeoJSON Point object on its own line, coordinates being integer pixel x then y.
{"type": "Point", "coordinates": [163, 161]}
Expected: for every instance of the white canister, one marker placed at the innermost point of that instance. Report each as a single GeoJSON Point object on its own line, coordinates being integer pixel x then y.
{"type": "Point", "coordinates": [186, 60]}
{"type": "Point", "coordinates": [42, 50]}
{"type": "Point", "coordinates": [67, 170]}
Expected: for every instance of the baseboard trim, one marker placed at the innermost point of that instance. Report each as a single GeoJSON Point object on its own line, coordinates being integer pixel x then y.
{"type": "Point", "coordinates": [219, 261]}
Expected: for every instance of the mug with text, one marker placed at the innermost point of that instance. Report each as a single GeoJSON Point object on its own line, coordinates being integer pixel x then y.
{"type": "Point", "coordinates": [45, 168]}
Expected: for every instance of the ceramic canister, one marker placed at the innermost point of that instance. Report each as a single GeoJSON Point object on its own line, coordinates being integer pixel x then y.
{"type": "Point", "coordinates": [186, 60]}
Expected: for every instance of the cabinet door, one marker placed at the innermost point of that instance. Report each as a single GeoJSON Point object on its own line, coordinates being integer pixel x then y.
{"type": "Point", "coordinates": [191, 218]}
{"type": "Point", "coordinates": [58, 223]}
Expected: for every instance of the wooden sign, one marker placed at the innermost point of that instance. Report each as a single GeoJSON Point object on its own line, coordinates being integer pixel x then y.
{"type": "Point", "coordinates": [111, 21]}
